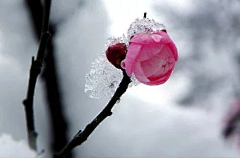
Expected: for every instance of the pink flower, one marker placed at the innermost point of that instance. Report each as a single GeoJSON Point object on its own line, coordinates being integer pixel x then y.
{"type": "Point", "coordinates": [151, 57]}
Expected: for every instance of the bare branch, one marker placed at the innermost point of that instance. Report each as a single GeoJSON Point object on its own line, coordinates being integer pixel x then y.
{"type": "Point", "coordinates": [49, 74]}
{"type": "Point", "coordinates": [35, 70]}
{"type": "Point", "coordinates": [82, 136]}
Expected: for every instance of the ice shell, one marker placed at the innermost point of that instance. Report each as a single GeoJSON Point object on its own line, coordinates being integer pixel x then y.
{"type": "Point", "coordinates": [103, 78]}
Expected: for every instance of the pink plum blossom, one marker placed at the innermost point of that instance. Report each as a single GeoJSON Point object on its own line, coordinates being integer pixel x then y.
{"type": "Point", "coordinates": [151, 57]}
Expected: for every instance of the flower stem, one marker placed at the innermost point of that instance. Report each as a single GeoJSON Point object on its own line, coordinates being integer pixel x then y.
{"type": "Point", "coordinates": [82, 136]}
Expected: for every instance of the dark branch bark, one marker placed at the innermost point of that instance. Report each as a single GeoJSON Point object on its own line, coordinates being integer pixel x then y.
{"type": "Point", "coordinates": [36, 12]}
{"type": "Point", "coordinates": [50, 77]}
{"type": "Point", "coordinates": [53, 94]}
{"type": "Point", "coordinates": [82, 136]}
{"type": "Point", "coordinates": [35, 70]}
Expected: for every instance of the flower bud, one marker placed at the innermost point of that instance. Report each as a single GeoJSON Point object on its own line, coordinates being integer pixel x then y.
{"type": "Point", "coordinates": [116, 53]}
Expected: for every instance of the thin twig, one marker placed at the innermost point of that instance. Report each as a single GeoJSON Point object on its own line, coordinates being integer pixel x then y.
{"type": "Point", "coordinates": [82, 136]}
{"type": "Point", "coordinates": [145, 15]}
{"type": "Point", "coordinates": [35, 70]}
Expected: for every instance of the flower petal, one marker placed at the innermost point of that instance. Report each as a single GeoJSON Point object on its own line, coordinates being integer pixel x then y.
{"type": "Point", "coordinates": [162, 80]}
{"type": "Point", "coordinates": [149, 51]}
{"type": "Point", "coordinates": [133, 52]}
{"type": "Point", "coordinates": [158, 64]}
{"type": "Point", "coordinates": [139, 74]}
{"type": "Point", "coordinates": [170, 43]}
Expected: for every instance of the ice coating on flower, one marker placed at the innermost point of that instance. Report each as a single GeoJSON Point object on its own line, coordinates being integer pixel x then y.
{"type": "Point", "coordinates": [115, 40]}
{"type": "Point", "coordinates": [144, 25]}
{"type": "Point", "coordinates": [151, 57]}
{"type": "Point", "coordinates": [103, 78]}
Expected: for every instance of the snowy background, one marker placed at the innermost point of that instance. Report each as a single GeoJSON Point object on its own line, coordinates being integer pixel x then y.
{"type": "Point", "coordinates": [182, 118]}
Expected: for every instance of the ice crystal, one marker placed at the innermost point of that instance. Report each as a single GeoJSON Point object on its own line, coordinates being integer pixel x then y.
{"type": "Point", "coordinates": [115, 40]}
{"type": "Point", "coordinates": [103, 78]}
{"type": "Point", "coordinates": [144, 25]}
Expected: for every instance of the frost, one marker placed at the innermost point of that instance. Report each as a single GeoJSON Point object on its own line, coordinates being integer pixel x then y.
{"type": "Point", "coordinates": [144, 25]}
{"type": "Point", "coordinates": [115, 40]}
{"type": "Point", "coordinates": [103, 78]}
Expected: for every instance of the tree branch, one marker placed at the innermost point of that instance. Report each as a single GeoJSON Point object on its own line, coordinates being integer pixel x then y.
{"type": "Point", "coordinates": [35, 70]}
{"type": "Point", "coordinates": [82, 136]}
{"type": "Point", "coordinates": [53, 92]}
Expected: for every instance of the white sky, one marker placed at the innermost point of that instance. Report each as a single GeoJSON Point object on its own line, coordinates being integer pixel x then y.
{"type": "Point", "coordinates": [123, 13]}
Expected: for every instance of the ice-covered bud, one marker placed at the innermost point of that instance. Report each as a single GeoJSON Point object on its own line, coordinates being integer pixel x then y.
{"type": "Point", "coordinates": [151, 57]}
{"type": "Point", "coordinates": [116, 53]}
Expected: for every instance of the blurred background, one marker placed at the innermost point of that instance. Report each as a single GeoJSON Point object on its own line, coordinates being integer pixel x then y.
{"type": "Point", "coordinates": [182, 118]}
